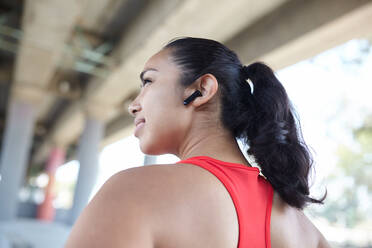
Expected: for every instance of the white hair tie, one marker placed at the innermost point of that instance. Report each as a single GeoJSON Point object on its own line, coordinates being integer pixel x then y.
{"type": "Point", "coordinates": [250, 84]}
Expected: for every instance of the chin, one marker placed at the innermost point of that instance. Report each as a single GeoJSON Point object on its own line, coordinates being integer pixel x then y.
{"type": "Point", "coordinates": [151, 149]}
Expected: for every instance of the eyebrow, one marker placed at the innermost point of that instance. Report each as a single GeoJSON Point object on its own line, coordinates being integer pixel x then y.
{"type": "Point", "coordinates": [143, 73]}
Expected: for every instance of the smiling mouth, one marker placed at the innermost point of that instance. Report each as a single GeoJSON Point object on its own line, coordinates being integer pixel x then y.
{"type": "Point", "coordinates": [138, 127]}
{"type": "Point", "coordinates": [140, 122]}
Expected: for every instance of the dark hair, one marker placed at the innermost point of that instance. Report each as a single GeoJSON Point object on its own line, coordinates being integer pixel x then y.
{"type": "Point", "coordinates": [264, 120]}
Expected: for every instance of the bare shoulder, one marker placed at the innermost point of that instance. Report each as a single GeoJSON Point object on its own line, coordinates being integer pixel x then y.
{"type": "Point", "coordinates": [130, 205]}
{"type": "Point", "coordinates": [182, 203]}
{"type": "Point", "coordinates": [173, 197]}
{"type": "Point", "coordinates": [321, 240]}
{"type": "Point", "coordinates": [290, 227]}
{"type": "Point", "coordinates": [148, 185]}
{"type": "Point", "coordinates": [171, 182]}
{"type": "Point", "coordinates": [155, 181]}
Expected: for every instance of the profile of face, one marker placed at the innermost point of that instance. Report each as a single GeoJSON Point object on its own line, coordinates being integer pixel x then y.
{"type": "Point", "coordinates": [160, 104]}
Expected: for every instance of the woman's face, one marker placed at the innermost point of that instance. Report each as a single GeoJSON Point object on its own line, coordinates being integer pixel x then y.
{"type": "Point", "coordinates": [160, 104]}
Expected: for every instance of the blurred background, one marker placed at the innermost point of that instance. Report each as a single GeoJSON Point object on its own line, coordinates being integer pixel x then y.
{"type": "Point", "coordinates": [69, 69]}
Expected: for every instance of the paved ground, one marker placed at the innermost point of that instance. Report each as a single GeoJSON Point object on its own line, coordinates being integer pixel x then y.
{"type": "Point", "coordinates": [31, 233]}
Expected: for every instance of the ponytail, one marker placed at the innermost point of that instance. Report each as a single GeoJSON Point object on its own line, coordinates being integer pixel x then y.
{"type": "Point", "coordinates": [268, 126]}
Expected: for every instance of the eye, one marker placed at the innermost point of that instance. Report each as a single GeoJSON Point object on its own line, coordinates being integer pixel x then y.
{"type": "Point", "coordinates": [145, 81]}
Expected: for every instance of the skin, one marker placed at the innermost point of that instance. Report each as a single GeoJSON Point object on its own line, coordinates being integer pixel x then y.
{"type": "Point", "coordinates": [179, 205]}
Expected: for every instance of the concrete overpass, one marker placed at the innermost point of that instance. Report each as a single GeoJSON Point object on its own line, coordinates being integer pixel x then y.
{"type": "Point", "coordinates": [70, 68]}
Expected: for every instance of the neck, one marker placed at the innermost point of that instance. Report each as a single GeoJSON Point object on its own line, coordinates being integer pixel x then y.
{"type": "Point", "coordinates": [218, 144]}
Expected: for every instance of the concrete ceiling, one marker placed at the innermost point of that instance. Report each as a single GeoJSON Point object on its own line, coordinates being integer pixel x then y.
{"type": "Point", "coordinates": [78, 58]}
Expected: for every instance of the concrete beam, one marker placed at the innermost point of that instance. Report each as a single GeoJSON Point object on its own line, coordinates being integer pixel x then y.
{"type": "Point", "coordinates": [98, 13]}
{"type": "Point", "coordinates": [40, 39]}
{"type": "Point", "coordinates": [220, 23]}
{"type": "Point", "coordinates": [94, 16]}
{"type": "Point", "coordinates": [300, 29]}
{"type": "Point", "coordinates": [328, 36]}
{"type": "Point", "coordinates": [152, 16]}
{"type": "Point", "coordinates": [46, 27]}
{"type": "Point", "coordinates": [159, 22]}
{"type": "Point", "coordinates": [44, 108]}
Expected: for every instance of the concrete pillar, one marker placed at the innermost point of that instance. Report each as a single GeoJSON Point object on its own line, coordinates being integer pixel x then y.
{"type": "Point", "coordinates": [15, 153]}
{"type": "Point", "coordinates": [46, 211]}
{"type": "Point", "coordinates": [88, 152]}
{"type": "Point", "coordinates": [149, 159]}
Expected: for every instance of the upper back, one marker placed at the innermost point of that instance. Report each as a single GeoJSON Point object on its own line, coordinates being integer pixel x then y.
{"type": "Point", "coordinates": [251, 195]}
{"type": "Point", "coordinates": [204, 210]}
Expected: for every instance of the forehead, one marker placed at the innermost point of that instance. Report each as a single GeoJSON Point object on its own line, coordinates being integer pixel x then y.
{"type": "Point", "coordinates": [162, 62]}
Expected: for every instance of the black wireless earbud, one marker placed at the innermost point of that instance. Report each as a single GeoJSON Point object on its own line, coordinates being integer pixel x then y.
{"type": "Point", "coordinates": [192, 97]}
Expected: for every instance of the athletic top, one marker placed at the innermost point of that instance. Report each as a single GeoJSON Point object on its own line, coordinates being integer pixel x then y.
{"type": "Point", "coordinates": [251, 194]}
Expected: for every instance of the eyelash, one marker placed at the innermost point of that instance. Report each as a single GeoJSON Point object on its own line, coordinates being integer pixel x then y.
{"type": "Point", "coordinates": [145, 81]}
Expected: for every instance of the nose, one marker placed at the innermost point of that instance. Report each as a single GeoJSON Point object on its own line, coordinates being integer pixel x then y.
{"type": "Point", "coordinates": [133, 108]}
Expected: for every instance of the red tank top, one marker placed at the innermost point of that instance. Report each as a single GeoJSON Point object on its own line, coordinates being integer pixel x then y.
{"type": "Point", "coordinates": [251, 194]}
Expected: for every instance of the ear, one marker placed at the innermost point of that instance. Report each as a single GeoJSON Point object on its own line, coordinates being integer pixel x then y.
{"type": "Point", "coordinates": [207, 85]}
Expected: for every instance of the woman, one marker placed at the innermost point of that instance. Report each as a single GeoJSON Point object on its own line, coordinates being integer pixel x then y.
{"type": "Point", "coordinates": [196, 98]}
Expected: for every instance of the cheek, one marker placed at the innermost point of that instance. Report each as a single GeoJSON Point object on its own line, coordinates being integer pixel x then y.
{"type": "Point", "coordinates": [163, 135]}
{"type": "Point", "coordinates": [166, 124]}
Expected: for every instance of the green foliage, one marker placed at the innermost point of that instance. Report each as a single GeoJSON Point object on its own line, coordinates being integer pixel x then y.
{"type": "Point", "coordinates": [353, 181]}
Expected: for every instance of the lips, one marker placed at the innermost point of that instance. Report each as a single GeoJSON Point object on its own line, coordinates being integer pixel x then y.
{"type": "Point", "coordinates": [138, 121]}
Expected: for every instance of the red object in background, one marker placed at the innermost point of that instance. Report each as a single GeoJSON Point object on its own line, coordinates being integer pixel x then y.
{"type": "Point", "coordinates": [46, 211]}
